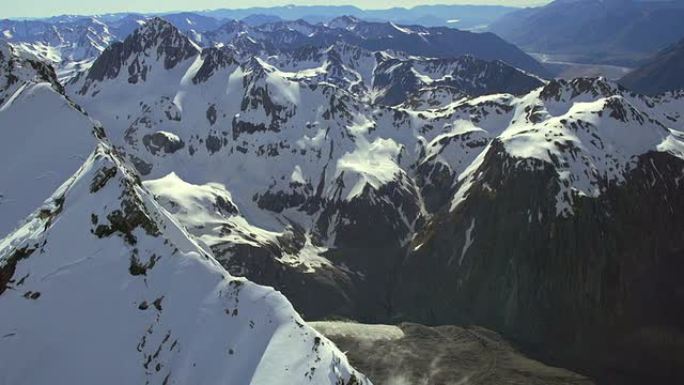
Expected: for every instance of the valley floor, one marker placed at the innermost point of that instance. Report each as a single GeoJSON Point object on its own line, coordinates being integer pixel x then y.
{"type": "Point", "coordinates": [420, 355]}
{"type": "Point", "coordinates": [565, 68]}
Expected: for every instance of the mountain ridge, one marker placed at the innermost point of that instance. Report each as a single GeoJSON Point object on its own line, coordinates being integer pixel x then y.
{"type": "Point", "coordinates": [72, 52]}
{"type": "Point", "coordinates": [660, 74]}
{"type": "Point", "coordinates": [105, 287]}
{"type": "Point", "coordinates": [350, 198]}
{"type": "Point", "coordinates": [594, 31]}
{"type": "Point", "coordinates": [346, 177]}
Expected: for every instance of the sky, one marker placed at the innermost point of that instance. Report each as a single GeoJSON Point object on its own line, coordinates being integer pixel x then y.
{"type": "Point", "coordinates": [41, 8]}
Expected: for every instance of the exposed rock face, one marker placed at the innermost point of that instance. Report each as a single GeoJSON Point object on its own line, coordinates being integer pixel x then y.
{"type": "Point", "coordinates": [581, 288]}
{"type": "Point", "coordinates": [214, 59]}
{"type": "Point", "coordinates": [162, 141]}
{"type": "Point", "coordinates": [17, 68]}
{"type": "Point", "coordinates": [157, 39]}
{"type": "Point", "coordinates": [319, 293]}
{"type": "Point", "coordinates": [385, 216]}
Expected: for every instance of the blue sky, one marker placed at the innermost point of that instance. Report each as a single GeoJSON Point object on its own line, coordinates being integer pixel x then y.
{"type": "Point", "coordinates": [39, 8]}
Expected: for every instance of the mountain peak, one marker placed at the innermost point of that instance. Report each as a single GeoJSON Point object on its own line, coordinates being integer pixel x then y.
{"type": "Point", "coordinates": [156, 39]}
{"type": "Point", "coordinates": [214, 58]}
{"type": "Point", "coordinates": [343, 22]}
{"type": "Point", "coordinates": [159, 32]}
{"type": "Point", "coordinates": [233, 25]}
{"type": "Point", "coordinates": [257, 66]}
{"type": "Point", "coordinates": [154, 25]}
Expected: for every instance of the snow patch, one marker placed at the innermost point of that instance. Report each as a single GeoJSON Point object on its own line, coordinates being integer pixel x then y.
{"type": "Point", "coordinates": [373, 164]}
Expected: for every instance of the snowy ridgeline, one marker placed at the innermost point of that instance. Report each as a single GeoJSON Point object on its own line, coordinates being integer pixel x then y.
{"type": "Point", "coordinates": [72, 43]}
{"type": "Point", "coordinates": [99, 284]}
{"type": "Point", "coordinates": [205, 153]}
{"type": "Point", "coordinates": [305, 126]}
{"type": "Point", "coordinates": [240, 149]}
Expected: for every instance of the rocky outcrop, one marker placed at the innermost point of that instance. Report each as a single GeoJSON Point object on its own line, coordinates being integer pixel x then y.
{"type": "Point", "coordinates": [162, 141]}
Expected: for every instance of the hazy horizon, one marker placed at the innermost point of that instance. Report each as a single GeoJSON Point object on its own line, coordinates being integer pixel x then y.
{"type": "Point", "coordinates": [39, 8]}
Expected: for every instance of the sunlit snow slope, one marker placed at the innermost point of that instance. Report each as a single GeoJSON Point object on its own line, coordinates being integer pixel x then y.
{"type": "Point", "coordinates": [101, 285]}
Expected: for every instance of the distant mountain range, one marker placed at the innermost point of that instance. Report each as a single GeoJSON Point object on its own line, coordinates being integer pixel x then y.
{"type": "Point", "coordinates": [664, 72]}
{"type": "Point", "coordinates": [457, 16]}
{"type": "Point", "coordinates": [72, 43]}
{"type": "Point", "coordinates": [467, 17]}
{"type": "Point", "coordinates": [623, 32]}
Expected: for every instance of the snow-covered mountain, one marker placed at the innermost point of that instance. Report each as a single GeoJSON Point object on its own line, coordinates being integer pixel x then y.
{"type": "Point", "coordinates": [561, 225]}
{"type": "Point", "coordinates": [101, 285]}
{"type": "Point", "coordinates": [393, 77]}
{"type": "Point", "coordinates": [379, 185]}
{"type": "Point", "coordinates": [287, 171]}
{"type": "Point", "coordinates": [45, 137]}
{"type": "Point", "coordinates": [468, 17]}
{"type": "Point", "coordinates": [438, 42]}
{"type": "Point", "coordinates": [72, 43]}
{"type": "Point", "coordinates": [292, 138]}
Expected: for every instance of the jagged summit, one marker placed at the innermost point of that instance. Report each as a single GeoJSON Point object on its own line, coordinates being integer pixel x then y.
{"type": "Point", "coordinates": [155, 28]}
{"type": "Point", "coordinates": [169, 42]}
{"type": "Point", "coordinates": [299, 26]}
{"type": "Point", "coordinates": [258, 67]}
{"type": "Point", "coordinates": [156, 40]}
{"type": "Point", "coordinates": [414, 40]}
{"type": "Point", "coordinates": [228, 30]}
{"type": "Point", "coordinates": [72, 44]}
{"type": "Point", "coordinates": [343, 22]}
